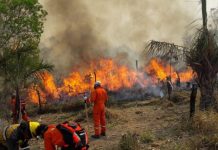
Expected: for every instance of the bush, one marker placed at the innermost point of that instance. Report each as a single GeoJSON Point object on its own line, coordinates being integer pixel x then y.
{"type": "Point", "coordinates": [203, 130]}
{"type": "Point", "coordinates": [147, 137]}
{"type": "Point", "coordinates": [129, 141]}
{"type": "Point", "coordinates": [56, 107]}
{"type": "Point", "coordinates": [206, 122]}
{"type": "Point", "coordinates": [180, 97]}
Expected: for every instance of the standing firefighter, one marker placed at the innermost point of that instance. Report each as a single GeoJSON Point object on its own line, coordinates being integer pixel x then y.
{"type": "Point", "coordinates": [193, 99]}
{"type": "Point", "coordinates": [169, 87]}
{"type": "Point", "coordinates": [99, 98]}
{"type": "Point", "coordinates": [67, 136]}
{"type": "Point", "coordinates": [23, 110]}
{"type": "Point", "coordinates": [14, 109]}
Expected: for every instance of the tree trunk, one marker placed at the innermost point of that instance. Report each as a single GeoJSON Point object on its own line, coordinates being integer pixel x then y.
{"type": "Point", "coordinates": [204, 13]}
{"type": "Point", "coordinates": [207, 84]}
{"type": "Point", "coordinates": [17, 104]}
{"type": "Point", "coordinates": [40, 103]}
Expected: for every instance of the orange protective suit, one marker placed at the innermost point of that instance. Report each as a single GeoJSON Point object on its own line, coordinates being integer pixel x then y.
{"type": "Point", "coordinates": [23, 110]}
{"type": "Point", "coordinates": [53, 137]}
{"type": "Point", "coordinates": [99, 98]}
{"type": "Point", "coordinates": [13, 108]}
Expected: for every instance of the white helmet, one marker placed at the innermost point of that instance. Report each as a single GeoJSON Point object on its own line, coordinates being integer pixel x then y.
{"type": "Point", "coordinates": [97, 83]}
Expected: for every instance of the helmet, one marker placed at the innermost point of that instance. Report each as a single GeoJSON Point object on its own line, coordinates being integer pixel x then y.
{"type": "Point", "coordinates": [97, 84]}
{"type": "Point", "coordinates": [33, 126]}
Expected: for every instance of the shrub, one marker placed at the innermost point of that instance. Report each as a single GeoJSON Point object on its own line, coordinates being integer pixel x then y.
{"type": "Point", "coordinates": [147, 137]}
{"type": "Point", "coordinates": [129, 141]}
{"type": "Point", "coordinates": [206, 122]}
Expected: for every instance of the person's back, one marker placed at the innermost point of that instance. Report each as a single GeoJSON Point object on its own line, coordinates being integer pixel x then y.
{"type": "Point", "coordinates": [67, 136]}
{"type": "Point", "coordinates": [99, 96]}
{"type": "Point", "coordinates": [53, 137]}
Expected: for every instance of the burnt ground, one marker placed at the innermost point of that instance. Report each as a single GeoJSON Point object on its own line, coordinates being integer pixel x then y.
{"type": "Point", "coordinates": [158, 120]}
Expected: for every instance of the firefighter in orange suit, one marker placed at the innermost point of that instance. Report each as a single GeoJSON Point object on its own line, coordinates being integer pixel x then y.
{"type": "Point", "coordinates": [14, 110]}
{"type": "Point", "coordinates": [64, 136]}
{"type": "Point", "coordinates": [99, 97]}
{"type": "Point", "coordinates": [23, 110]}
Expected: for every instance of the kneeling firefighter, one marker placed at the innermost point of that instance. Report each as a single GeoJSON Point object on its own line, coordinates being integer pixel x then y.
{"type": "Point", "coordinates": [67, 136]}
{"type": "Point", "coordinates": [17, 135]}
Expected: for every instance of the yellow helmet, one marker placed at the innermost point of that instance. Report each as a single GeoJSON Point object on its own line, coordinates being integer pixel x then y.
{"type": "Point", "coordinates": [33, 127]}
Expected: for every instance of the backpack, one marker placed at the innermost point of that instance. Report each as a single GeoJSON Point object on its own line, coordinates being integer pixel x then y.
{"type": "Point", "coordinates": [74, 136]}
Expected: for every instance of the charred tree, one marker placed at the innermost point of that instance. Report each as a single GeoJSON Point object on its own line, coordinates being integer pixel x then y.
{"type": "Point", "coordinates": [193, 99]}
{"type": "Point", "coordinates": [39, 100]}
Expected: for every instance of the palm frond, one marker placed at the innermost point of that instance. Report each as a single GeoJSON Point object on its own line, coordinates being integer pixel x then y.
{"type": "Point", "coordinates": [164, 49]}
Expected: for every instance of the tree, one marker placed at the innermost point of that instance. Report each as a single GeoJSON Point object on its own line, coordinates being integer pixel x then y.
{"type": "Point", "coordinates": [21, 26]}
{"type": "Point", "coordinates": [203, 58]}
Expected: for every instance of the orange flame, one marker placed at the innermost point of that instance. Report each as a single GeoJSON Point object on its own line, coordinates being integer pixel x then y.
{"type": "Point", "coordinates": [112, 75]}
{"type": "Point", "coordinates": [74, 84]}
{"type": "Point", "coordinates": [34, 97]}
{"type": "Point", "coordinates": [157, 69]}
{"type": "Point", "coordinates": [49, 84]}
{"type": "Point", "coordinates": [186, 75]}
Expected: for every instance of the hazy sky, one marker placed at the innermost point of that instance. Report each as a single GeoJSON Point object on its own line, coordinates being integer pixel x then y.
{"type": "Point", "coordinates": [80, 30]}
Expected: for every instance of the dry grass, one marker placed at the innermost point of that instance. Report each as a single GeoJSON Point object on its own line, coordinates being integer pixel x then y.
{"type": "Point", "coordinates": [111, 115]}
{"type": "Point", "coordinates": [129, 141]}
{"type": "Point", "coordinates": [56, 107]}
{"type": "Point", "coordinates": [202, 130]}
{"type": "Point", "coordinates": [206, 122]}
{"type": "Point", "coordinates": [179, 97]}
{"type": "Point", "coordinates": [147, 137]}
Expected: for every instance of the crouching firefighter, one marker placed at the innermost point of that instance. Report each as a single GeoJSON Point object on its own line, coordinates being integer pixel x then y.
{"type": "Point", "coordinates": [67, 136]}
{"type": "Point", "coordinates": [17, 135]}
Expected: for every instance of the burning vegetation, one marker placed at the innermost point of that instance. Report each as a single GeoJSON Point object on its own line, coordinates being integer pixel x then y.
{"type": "Point", "coordinates": [114, 76]}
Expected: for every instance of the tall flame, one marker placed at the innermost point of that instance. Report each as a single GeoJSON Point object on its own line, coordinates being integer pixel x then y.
{"type": "Point", "coordinates": [49, 85]}
{"type": "Point", "coordinates": [157, 69]}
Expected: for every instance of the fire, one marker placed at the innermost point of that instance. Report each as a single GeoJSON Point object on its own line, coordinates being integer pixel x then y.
{"type": "Point", "coordinates": [112, 75]}
{"type": "Point", "coordinates": [33, 96]}
{"type": "Point", "coordinates": [161, 71]}
{"type": "Point", "coordinates": [186, 75]}
{"type": "Point", "coordinates": [74, 84]}
{"type": "Point", "coordinates": [49, 85]}
{"type": "Point", "coordinates": [157, 69]}
{"type": "Point", "coordinates": [34, 92]}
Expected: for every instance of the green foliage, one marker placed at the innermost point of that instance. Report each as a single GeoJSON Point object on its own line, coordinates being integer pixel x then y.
{"type": "Point", "coordinates": [21, 26]}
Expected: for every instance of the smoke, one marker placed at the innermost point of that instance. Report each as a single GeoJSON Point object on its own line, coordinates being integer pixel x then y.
{"type": "Point", "coordinates": [77, 31]}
